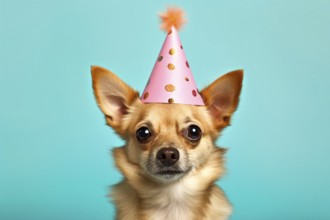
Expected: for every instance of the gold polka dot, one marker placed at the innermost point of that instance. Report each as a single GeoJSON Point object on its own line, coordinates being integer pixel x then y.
{"type": "Point", "coordinates": [146, 95]}
{"type": "Point", "coordinates": [186, 78]}
{"type": "Point", "coordinates": [160, 58]}
{"type": "Point", "coordinates": [187, 64]}
{"type": "Point", "coordinates": [170, 100]}
{"type": "Point", "coordinates": [170, 66]}
{"type": "Point", "coordinates": [169, 88]}
{"type": "Point", "coordinates": [172, 51]}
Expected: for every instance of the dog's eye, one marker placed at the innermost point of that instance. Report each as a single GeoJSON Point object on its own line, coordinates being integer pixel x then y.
{"type": "Point", "coordinates": [194, 133]}
{"type": "Point", "coordinates": [143, 134]}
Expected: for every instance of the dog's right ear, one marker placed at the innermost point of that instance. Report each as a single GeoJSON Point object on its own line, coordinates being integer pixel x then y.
{"type": "Point", "coordinates": [113, 96]}
{"type": "Point", "coordinates": [222, 97]}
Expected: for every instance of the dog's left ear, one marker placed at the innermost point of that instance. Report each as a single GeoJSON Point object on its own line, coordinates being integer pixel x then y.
{"type": "Point", "coordinates": [222, 97]}
{"type": "Point", "coordinates": [113, 96]}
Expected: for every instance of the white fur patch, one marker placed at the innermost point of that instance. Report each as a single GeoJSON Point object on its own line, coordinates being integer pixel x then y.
{"type": "Point", "coordinates": [175, 204]}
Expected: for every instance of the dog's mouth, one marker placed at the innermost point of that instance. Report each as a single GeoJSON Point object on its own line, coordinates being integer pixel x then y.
{"type": "Point", "coordinates": [169, 172]}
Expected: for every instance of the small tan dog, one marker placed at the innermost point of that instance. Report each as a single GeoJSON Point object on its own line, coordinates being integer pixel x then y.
{"type": "Point", "coordinates": [170, 161]}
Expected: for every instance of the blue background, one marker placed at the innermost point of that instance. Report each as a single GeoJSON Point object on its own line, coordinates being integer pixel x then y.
{"type": "Point", "coordinates": [54, 146]}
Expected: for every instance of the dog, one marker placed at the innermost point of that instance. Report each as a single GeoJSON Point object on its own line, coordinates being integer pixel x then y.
{"type": "Point", "coordinates": [169, 161]}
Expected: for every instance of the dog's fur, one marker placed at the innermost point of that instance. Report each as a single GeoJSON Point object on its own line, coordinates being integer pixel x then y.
{"type": "Point", "coordinates": [191, 194]}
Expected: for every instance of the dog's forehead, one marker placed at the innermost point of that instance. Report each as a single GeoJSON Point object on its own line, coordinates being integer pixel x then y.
{"type": "Point", "coordinates": [171, 113]}
{"type": "Point", "coordinates": [162, 116]}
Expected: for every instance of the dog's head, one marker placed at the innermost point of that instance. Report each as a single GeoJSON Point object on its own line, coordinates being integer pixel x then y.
{"type": "Point", "coordinates": [167, 141]}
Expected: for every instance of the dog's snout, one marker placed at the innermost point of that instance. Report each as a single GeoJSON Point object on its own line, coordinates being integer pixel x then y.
{"type": "Point", "coordinates": [168, 156]}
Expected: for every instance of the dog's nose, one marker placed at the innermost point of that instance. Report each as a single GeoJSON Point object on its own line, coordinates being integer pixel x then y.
{"type": "Point", "coordinates": [168, 156]}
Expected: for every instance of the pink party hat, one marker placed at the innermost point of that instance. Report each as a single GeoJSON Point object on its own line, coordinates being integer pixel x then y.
{"type": "Point", "coordinates": [171, 80]}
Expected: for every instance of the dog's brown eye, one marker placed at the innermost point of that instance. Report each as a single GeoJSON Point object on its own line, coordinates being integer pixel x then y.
{"type": "Point", "coordinates": [194, 133]}
{"type": "Point", "coordinates": [143, 134]}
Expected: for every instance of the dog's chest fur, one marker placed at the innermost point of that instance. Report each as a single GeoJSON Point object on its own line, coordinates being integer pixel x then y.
{"type": "Point", "coordinates": [173, 202]}
{"type": "Point", "coordinates": [181, 201]}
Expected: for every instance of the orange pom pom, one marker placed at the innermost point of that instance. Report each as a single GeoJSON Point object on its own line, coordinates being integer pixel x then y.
{"type": "Point", "coordinates": [172, 17]}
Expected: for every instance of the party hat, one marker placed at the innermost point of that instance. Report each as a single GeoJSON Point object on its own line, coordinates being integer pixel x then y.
{"type": "Point", "coordinates": [171, 80]}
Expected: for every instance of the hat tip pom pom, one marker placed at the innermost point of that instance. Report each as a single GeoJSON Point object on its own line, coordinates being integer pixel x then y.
{"type": "Point", "coordinates": [173, 17]}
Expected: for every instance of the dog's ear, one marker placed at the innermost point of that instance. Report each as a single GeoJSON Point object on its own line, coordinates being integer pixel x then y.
{"type": "Point", "coordinates": [113, 96]}
{"type": "Point", "coordinates": [222, 97]}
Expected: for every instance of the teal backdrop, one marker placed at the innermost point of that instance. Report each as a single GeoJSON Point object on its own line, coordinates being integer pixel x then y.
{"type": "Point", "coordinates": [55, 148]}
